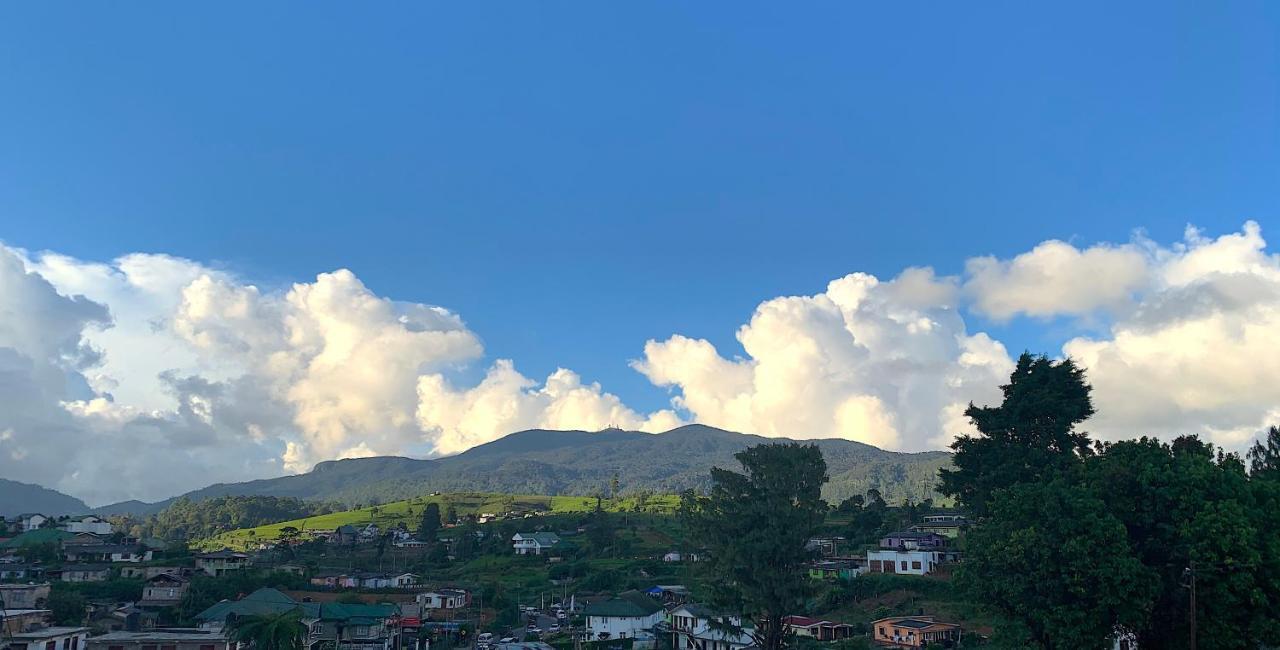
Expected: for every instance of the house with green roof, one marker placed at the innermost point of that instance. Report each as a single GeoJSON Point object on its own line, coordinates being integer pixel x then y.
{"type": "Point", "coordinates": [329, 625]}
{"type": "Point", "coordinates": [534, 543]}
{"type": "Point", "coordinates": [629, 615]}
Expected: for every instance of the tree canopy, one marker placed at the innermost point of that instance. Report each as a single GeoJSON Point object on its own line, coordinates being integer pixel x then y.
{"type": "Point", "coordinates": [1030, 436]}
{"type": "Point", "coordinates": [754, 527]}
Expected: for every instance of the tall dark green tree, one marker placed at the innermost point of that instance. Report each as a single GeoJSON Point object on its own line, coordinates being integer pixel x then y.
{"type": "Point", "coordinates": [1264, 456]}
{"type": "Point", "coordinates": [1030, 436]}
{"type": "Point", "coordinates": [430, 524]}
{"type": "Point", "coordinates": [67, 607]}
{"type": "Point", "coordinates": [1053, 560]}
{"type": "Point", "coordinates": [602, 531]}
{"type": "Point", "coordinates": [754, 526]}
{"type": "Point", "coordinates": [282, 631]}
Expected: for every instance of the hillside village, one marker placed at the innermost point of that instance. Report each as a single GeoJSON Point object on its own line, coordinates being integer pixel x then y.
{"type": "Point", "coordinates": [523, 578]}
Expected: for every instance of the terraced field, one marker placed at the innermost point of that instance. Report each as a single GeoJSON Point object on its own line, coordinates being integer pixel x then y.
{"type": "Point", "coordinates": [409, 512]}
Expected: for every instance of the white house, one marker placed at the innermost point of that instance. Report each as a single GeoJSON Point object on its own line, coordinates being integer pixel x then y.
{"type": "Point", "coordinates": [61, 638]}
{"type": "Point", "coordinates": [691, 630]}
{"type": "Point", "coordinates": [916, 562]}
{"type": "Point", "coordinates": [678, 556]}
{"type": "Point", "coordinates": [30, 521]}
{"type": "Point", "coordinates": [631, 615]}
{"type": "Point", "coordinates": [386, 580]}
{"type": "Point", "coordinates": [443, 599]}
{"type": "Point", "coordinates": [533, 543]}
{"type": "Point", "coordinates": [88, 524]}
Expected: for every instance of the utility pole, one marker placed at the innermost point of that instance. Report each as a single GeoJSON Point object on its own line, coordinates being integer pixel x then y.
{"type": "Point", "coordinates": [1190, 575]}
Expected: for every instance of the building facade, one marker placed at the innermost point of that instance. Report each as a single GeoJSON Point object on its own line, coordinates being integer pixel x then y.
{"type": "Point", "coordinates": [918, 562]}
{"type": "Point", "coordinates": [914, 632]}
{"type": "Point", "coordinates": [167, 639]}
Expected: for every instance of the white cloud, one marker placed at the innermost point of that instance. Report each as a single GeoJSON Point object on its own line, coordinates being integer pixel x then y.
{"type": "Point", "coordinates": [152, 375]}
{"type": "Point", "coordinates": [887, 363]}
{"type": "Point", "coordinates": [162, 375]}
{"type": "Point", "coordinates": [1199, 353]}
{"type": "Point", "coordinates": [506, 401]}
{"type": "Point", "coordinates": [1056, 278]}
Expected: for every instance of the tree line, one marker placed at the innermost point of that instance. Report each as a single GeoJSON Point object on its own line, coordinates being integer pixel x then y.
{"type": "Point", "coordinates": [187, 519]}
{"type": "Point", "coordinates": [1073, 542]}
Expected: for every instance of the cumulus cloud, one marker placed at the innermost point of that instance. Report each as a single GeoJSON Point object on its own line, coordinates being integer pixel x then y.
{"type": "Point", "coordinates": [1056, 278]}
{"type": "Point", "coordinates": [507, 401]}
{"type": "Point", "coordinates": [886, 363]}
{"type": "Point", "coordinates": [1199, 353]}
{"type": "Point", "coordinates": [151, 375]}
{"type": "Point", "coordinates": [109, 371]}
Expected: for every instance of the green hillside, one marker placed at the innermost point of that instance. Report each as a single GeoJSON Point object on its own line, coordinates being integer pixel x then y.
{"type": "Point", "coordinates": [409, 512]}
{"type": "Point", "coordinates": [583, 463]}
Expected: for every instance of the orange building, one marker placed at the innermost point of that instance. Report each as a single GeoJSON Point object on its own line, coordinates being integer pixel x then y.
{"type": "Point", "coordinates": [913, 632]}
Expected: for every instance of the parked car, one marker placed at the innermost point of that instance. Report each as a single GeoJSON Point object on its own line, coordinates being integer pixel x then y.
{"type": "Point", "coordinates": [507, 639]}
{"type": "Point", "coordinates": [555, 627]}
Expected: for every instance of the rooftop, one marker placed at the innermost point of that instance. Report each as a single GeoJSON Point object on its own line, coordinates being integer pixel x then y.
{"type": "Point", "coordinates": [914, 622]}
{"type": "Point", "coordinates": [163, 635]}
{"type": "Point", "coordinates": [47, 633]}
{"type": "Point", "coordinates": [912, 534]}
{"type": "Point", "coordinates": [626, 605]}
{"type": "Point", "coordinates": [272, 601]}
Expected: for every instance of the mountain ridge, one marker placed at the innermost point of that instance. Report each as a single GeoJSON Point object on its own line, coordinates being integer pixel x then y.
{"type": "Point", "coordinates": [18, 498]}
{"type": "Point", "coordinates": [575, 462]}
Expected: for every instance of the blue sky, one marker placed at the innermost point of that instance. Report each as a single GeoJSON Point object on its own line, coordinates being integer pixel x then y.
{"type": "Point", "coordinates": [574, 179]}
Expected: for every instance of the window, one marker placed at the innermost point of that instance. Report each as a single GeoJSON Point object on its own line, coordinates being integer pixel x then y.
{"type": "Point", "coordinates": [75, 642]}
{"type": "Point", "coordinates": [168, 647]}
{"type": "Point", "coordinates": [51, 645]}
{"type": "Point", "coordinates": [904, 565]}
{"type": "Point", "coordinates": [207, 647]}
{"type": "Point", "coordinates": [915, 565]}
{"type": "Point", "coordinates": [115, 647]}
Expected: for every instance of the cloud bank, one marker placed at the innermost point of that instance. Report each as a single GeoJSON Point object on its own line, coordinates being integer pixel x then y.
{"type": "Point", "coordinates": [151, 375]}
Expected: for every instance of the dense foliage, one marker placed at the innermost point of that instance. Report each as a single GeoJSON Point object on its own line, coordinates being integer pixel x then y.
{"type": "Point", "coordinates": [185, 519]}
{"type": "Point", "coordinates": [754, 527]}
{"type": "Point", "coordinates": [1077, 542]}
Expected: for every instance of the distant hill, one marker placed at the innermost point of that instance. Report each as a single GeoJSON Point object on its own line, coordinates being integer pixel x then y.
{"type": "Point", "coordinates": [580, 463]}
{"type": "Point", "coordinates": [18, 498]}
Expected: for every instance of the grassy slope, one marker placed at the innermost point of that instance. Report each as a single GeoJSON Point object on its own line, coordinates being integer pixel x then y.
{"type": "Point", "coordinates": [409, 512]}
